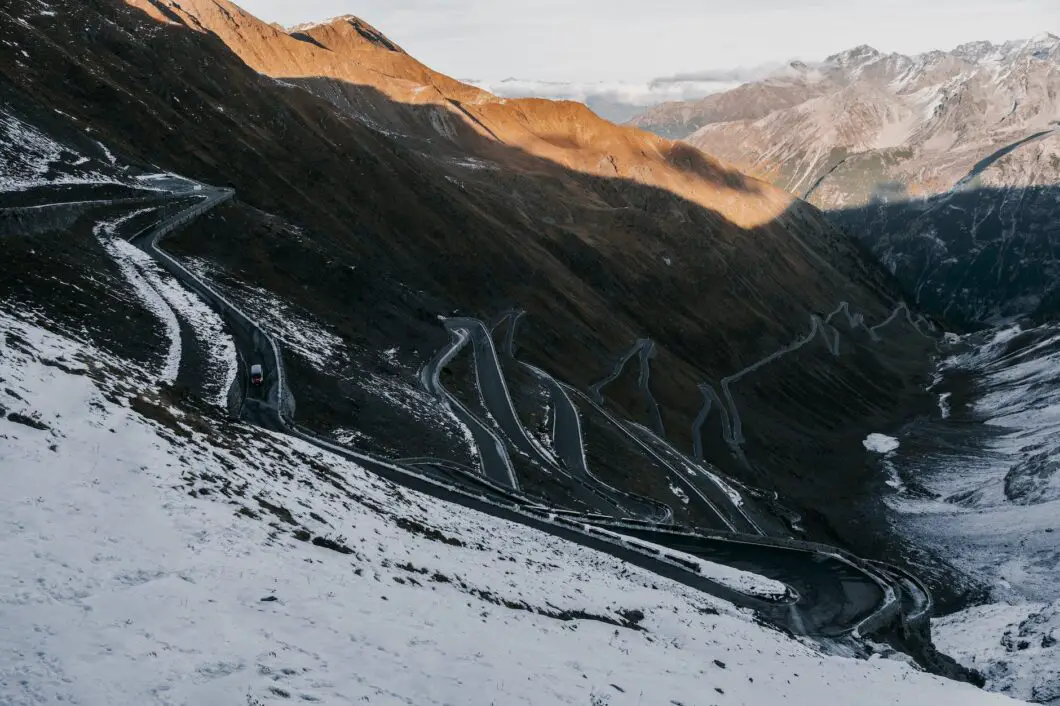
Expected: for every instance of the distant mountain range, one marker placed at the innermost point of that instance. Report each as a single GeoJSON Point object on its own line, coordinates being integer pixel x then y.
{"type": "Point", "coordinates": [619, 101]}
{"type": "Point", "coordinates": [944, 162]}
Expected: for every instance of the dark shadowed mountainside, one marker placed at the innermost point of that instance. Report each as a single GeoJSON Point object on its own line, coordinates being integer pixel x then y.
{"type": "Point", "coordinates": [375, 195]}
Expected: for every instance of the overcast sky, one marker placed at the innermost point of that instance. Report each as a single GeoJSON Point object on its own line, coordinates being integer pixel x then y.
{"type": "Point", "coordinates": [636, 40]}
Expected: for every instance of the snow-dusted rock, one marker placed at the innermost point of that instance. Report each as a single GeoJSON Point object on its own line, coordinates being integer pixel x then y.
{"type": "Point", "coordinates": [1016, 647]}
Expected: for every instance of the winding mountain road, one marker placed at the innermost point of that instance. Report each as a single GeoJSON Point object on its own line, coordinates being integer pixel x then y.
{"type": "Point", "coordinates": [493, 455]}
{"type": "Point", "coordinates": [493, 392]}
{"type": "Point", "coordinates": [831, 593]}
{"type": "Point", "coordinates": [830, 587]}
{"type": "Point", "coordinates": [644, 348]}
{"type": "Point", "coordinates": [732, 422]}
{"type": "Point", "coordinates": [569, 442]}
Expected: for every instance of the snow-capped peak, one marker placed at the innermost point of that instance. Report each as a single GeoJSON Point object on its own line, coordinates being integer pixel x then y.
{"type": "Point", "coordinates": [1042, 46]}
{"type": "Point", "coordinates": [306, 26]}
{"type": "Point", "coordinates": [975, 52]}
{"type": "Point", "coordinates": [859, 54]}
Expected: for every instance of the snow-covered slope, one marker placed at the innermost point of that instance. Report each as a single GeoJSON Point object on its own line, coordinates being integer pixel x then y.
{"type": "Point", "coordinates": [981, 485]}
{"type": "Point", "coordinates": [1015, 646]}
{"type": "Point", "coordinates": [991, 488]}
{"type": "Point", "coordinates": [154, 554]}
{"type": "Point", "coordinates": [31, 158]}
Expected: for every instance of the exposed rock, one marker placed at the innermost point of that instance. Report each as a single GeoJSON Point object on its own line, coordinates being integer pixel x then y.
{"type": "Point", "coordinates": [1034, 479]}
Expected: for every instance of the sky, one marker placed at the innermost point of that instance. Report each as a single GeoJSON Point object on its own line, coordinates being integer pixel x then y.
{"type": "Point", "coordinates": [630, 42]}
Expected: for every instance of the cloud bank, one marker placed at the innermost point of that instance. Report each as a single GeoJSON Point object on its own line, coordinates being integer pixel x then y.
{"type": "Point", "coordinates": [643, 94]}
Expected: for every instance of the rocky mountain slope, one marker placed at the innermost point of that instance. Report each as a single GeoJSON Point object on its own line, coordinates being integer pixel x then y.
{"type": "Point", "coordinates": [1015, 646]}
{"type": "Point", "coordinates": [925, 120]}
{"type": "Point", "coordinates": [375, 195]}
{"type": "Point", "coordinates": [943, 162]}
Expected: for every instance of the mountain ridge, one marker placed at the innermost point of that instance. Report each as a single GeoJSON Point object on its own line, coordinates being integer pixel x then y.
{"type": "Point", "coordinates": [555, 130]}
{"type": "Point", "coordinates": [943, 163]}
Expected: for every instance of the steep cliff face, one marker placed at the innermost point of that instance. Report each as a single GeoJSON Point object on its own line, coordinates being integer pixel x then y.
{"type": "Point", "coordinates": [982, 251]}
{"type": "Point", "coordinates": [376, 195]}
{"type": "Point", "coordinates": [945, 163]}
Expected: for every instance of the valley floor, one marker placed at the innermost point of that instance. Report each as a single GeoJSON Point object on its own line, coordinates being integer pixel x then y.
{"type": "Point", "coordinates": [981, 485]}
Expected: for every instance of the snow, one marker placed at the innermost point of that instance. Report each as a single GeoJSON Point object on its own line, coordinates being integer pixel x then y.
{"type": "Point", "coordinates": [167, 299]}
{"type": "Point", "coordinates": [885, 446]}
{"type": "Point", "coordinates": [681, 495]}
{"type": "Point", "coordinates": [1014, 646]}
{"type": "Point", "coordinates": [143, 274]}
{"type": "Point", "coordinates": [986, 352]}
{"type": "Point", "coordinates": [997, 475]}
{"type": "Point", "coordinates": [418, 403]}
{"type": "Point", "coordinates": [25, 154]}
{"type": "Point", "coordinates": [349, 437]}
{"type": "Point", "coordinates": [880, 443]}
{"type": "Point", "coordinates": [309, 26]}
{"type": "Point", "coordinates": [161, 562]}
{"type": "Point", "coordinates": [734, 495]}
{"type": "Point", "coordinates": [209, 330]}
{"type": "Point", "coordinates": [944, 404]}
{"type": "Point", "coordinates": [736, 579]}
{"type": "Point", "coordinates": [298, 331]}
{"type": "Point", "coordinates": [1019, 401]}
{"type": "Point", "coordinates": [475, 164]}
{"type": "Point", "coordinates": [1046, 38]}
{"type": "Point", "coordinates": [30, 158]}
{"type": "Point", "coordinates": [107, 152]}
